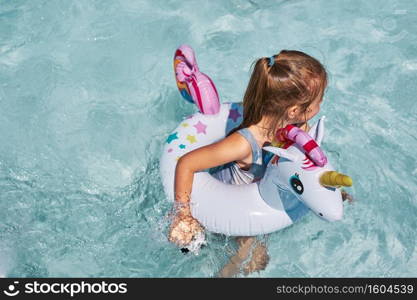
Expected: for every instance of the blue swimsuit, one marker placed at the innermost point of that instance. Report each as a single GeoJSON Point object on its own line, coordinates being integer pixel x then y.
{"type": "Point", "coordinates": [231, 172]}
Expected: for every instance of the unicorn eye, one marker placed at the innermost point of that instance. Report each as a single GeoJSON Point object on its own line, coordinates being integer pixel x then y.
{"type": "Point", "coordinates": [296, 184]}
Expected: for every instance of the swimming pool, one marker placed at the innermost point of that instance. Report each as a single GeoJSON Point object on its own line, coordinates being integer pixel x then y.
{"type": "Point", "coordinates": [87, 97]}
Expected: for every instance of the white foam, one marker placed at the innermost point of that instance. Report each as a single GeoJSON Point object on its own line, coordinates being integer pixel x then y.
{"type": "Point", "coordinates": [198, 241]}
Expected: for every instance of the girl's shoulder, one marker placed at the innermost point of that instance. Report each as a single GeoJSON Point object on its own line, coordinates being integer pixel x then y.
{"type": "Point", "coordinates": [238, 141]}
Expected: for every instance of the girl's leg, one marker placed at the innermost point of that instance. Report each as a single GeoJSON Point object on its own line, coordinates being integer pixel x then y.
{"type": "Point", "coordinates": [247, 246]}
{"type": "Point", "coordinates": [259, 258]}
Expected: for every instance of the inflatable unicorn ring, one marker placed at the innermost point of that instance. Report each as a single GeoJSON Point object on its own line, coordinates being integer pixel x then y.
{"type": "Point", "coordinates": [292, 186]}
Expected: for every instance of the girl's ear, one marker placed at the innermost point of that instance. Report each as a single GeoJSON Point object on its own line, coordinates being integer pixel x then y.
{"type": "Point", "coordinates": [281, 152]}
{"type": "Point", "coordinates": [317, 131]}
{"type": "Point", "coordinates": [292, 112]}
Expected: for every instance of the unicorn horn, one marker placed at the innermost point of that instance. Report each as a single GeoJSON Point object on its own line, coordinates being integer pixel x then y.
{"type": "Point", "coordinates": [335, 179]}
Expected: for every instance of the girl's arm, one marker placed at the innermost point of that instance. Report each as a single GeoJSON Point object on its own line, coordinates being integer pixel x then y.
{"type": "Point", "coordinates": [231, 148]}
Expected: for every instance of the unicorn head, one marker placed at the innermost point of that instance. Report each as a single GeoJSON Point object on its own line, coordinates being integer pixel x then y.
{"type": "Point", "coordinates": [301, 185]}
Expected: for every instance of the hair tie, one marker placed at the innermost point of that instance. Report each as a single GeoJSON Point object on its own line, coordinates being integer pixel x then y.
{"type": "Point", "coordinates": [271, 61]}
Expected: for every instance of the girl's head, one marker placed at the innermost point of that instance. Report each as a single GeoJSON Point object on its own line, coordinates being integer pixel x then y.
{"type": "Point", "coordinates": [287, 90]}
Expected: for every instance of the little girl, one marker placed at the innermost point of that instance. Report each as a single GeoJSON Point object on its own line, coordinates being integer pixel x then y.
{"type": "Point", "coordinates": [283, 89]}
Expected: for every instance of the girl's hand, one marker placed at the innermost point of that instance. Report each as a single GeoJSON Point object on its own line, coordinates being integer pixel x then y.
{"type": "Point", "coordinates": [347, 196]}
{"type": "Point", "coordinates": [183, 229]}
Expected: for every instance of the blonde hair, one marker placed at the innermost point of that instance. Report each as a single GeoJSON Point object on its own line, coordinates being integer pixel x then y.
{"type": "Point", "coordinates": [294, 78]}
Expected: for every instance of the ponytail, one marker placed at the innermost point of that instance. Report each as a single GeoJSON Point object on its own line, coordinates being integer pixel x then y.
{"type": "Point", "coordinates": [279, 82]}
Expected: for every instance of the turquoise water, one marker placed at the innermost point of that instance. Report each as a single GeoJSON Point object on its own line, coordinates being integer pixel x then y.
{"type": "Point", "coordinates": [87, 98]}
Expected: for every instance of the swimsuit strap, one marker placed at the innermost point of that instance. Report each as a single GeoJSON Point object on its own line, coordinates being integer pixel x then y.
{"type": "Point", "coordinates": [256, 151]}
